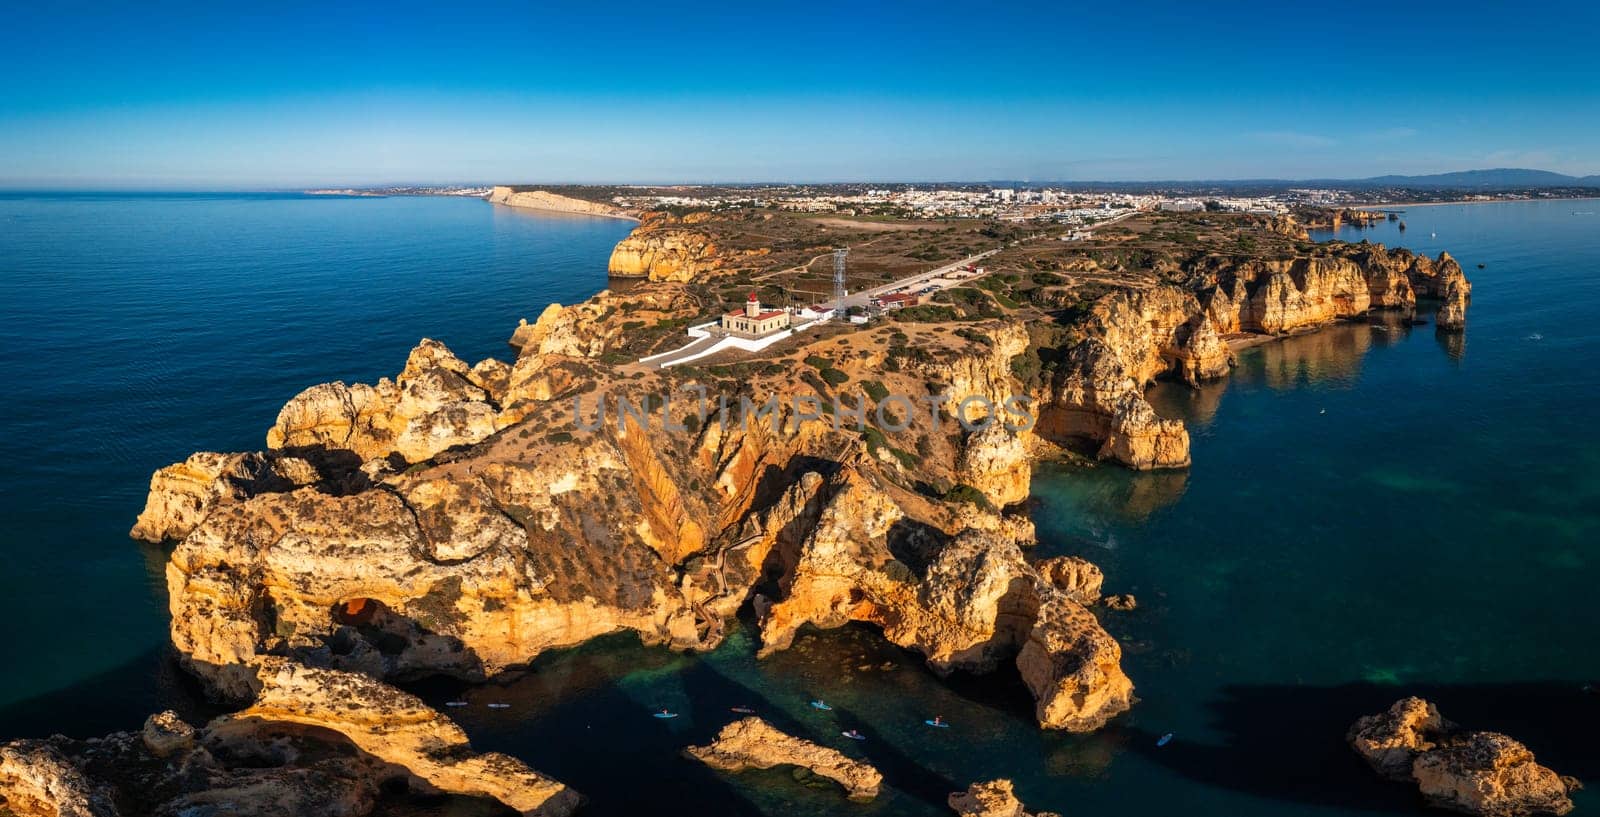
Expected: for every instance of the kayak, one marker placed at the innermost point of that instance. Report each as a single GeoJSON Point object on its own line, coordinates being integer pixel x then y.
{"type": "Point", "coordinates": [665, 715]}
{"type": "Point", "coordinates": [1165, 739]}
{"type": "Point", "coordinates": [455, 703]}
{"type": "Point", "coordinates": [743, 710]}
{"type": "Point", "coordinates": [939, 725]}
{"type": "Point", "coordinates": [820, 705]}
{"type": "Point", "coordinates": [854, 735]}
{"type": "Point", "coordinates": [499, 706]}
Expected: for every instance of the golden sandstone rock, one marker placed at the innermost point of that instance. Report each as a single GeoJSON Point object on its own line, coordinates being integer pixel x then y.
{"type": "Point", "coordinates": [752, 743]}
{"type": "Point", "coordinates": [313, 742]}
{"type": "Point", "coordinates": [397, 729]}
{"type": "Point", "coordinates": [37, 780]}
{"type": "Point", "coordinates": [434, 404]}
{"type": "Point", "coordinates": [967, 601]}
{"type": "Point", "coordinates": [992, 799]}
{"type": "Point", "coordinates": [1481, 773]}
{"type": "Point", "coordinates": [662, 248]}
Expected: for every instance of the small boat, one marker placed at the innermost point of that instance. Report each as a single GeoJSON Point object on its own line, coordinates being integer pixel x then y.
{"type": "Point", "coordinates": [819, 704]}
{"type": "Point", "coordinates": [1480, 266]}
{"type": "Point", "coordinates": [1165, 739]}
{"type": "Point", "coordinates": [854, 735]}
{"type": "Point", "coordinates": [743, 710]}
{"type": "Point", "coordinates": [1433, 235]}
{"type": "Point", "coordinates": [937, 723]}
{"type": "Point", "coordinates": [665, 715]}
{"type": "Point", "coordinates": [455, 703]}
{"type": "Point", "coordinates": [499, 706]}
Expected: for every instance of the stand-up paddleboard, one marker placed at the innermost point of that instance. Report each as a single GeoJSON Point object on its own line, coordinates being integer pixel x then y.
{"type": "Point", "coordinates": [664, 715]}
{"type": "Point", "coordinates": [854, 735]}
{"type": "Point", "coordinates": [1165, 739]}
{"type": "Point", "coordinates": [937, 724]}
{"type": "Point", "coordinates": [820, 705]}
{"type": "Point", "coordinates": [742, 710]}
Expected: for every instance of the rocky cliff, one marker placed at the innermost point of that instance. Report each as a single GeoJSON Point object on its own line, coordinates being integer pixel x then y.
{"type": "Point", "coordinates": [546, 200]}
{"type": "Point", "coordinates": [1133, 335]}
{"type": "Point", "coordinates": [421, 545]}
{"type": "Point", "coordinates": [665, 247]}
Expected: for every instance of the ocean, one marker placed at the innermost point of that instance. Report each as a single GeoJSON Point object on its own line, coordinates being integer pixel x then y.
{"type": "Point", "coordinates": [1373, 512]}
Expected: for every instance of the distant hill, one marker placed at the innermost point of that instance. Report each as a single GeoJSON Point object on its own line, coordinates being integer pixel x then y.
{"type": "Point", "coordinates": [1499, 178]}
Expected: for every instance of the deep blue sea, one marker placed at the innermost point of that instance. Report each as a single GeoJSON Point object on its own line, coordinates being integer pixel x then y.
{"type": "Point", "coordinates": [1371, 513]}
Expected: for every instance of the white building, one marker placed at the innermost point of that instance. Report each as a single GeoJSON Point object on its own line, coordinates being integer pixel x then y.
{"type": "Point", "coordinates": [752, 321]}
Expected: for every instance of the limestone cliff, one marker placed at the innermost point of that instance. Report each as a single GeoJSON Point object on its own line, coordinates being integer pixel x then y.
{"type": "Point", "coordinates": [546, 200]}
{"type": "Point", "coordinates": [1481, 773]}
{"type": "Point", "coordinates": [665, 247]}
{"type": "Point", "coordinates": [1133, 335]}
{"type": "Point", "coordinates": [965, 601]}
{"type": "Point", "coordinates": [752, 743]}
{"type": "Point", "coordinates": [436, 402]}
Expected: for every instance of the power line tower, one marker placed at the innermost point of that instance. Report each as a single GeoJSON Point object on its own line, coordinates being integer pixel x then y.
{"type": "Point", "coordinates": [838, 281]}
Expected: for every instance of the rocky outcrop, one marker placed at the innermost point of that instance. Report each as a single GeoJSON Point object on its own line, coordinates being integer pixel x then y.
{"type": "Point", "coordinates": [437, 402]}
{"type": "Point", "coordinates": [1481, 773]}
{"type": "Point", "coordinates": [37, 780]}
{"type": "Point", "coordinates": [1133, 338]}
{"type": "Point", "coordinates": [1287, 225]}
{"type": "Point", "coordinates": [752, 743]}
{"type": "Point", "coordinates": [588, 329]}
{"type": "Point", "coordinates": [995, 461]}
{"type": "Point", "coordinates": [992, 799]}
{"type": "Point", "coordinates": [182, 494]}
{"type": "Point", "coordinates": [967, 601]}
{"type": "Point", "coordinates": [314, 742]}
{"type": "Point", "coordinates": [397, 729]}
{"type": "Point", "coordinates": [663, 248]}
{"type": "Point", "coordinates": [546, 200]}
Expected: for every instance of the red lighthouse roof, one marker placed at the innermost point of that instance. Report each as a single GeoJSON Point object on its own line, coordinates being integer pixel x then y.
{"type": "Point", "coordinates": [752, 298]}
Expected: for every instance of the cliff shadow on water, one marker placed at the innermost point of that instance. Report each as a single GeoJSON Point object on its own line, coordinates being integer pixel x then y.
{"type": "Point", "coordinates": [580, 715]}
{"type": "Point", "coordinates": [1287, 742]}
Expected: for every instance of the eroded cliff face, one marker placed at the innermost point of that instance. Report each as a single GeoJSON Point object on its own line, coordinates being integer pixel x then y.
{"type": "Point", "coordinates": [1098, 392]}
{"type": "Point", "coordinates": [554, 202]}
{"type": "Point", "coordinates": [436, 402]}
{"type": "Point", "coordinates": [1134, 335]}
{"type": "Point", "coordinates": [965, 599]}
{"type": "Point", "coordinates": [665, 247]}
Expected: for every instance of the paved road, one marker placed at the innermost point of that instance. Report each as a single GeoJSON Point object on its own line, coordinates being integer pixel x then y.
{"type": "Point", "coordinates": [865, 296]}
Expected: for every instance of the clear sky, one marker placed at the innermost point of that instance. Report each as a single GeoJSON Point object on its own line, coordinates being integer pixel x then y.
{"type": "Point", "coordinates": [210, 96]}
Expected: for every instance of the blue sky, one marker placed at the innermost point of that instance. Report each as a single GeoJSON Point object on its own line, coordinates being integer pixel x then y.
{"type": "Point", "coordinates": [205, 96]}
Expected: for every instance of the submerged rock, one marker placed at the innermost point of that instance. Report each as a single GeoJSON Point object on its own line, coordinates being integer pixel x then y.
{"type": "Point", "coordinates": [752, 743]}
{"type": "Point", "coordinates": [1481, 773]}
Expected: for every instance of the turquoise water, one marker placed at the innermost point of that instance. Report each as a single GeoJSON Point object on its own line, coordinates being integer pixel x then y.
{"type": "Point", "coordinates": [1370, 514]}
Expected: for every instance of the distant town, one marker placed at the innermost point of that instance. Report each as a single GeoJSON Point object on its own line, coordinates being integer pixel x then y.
{"type": "Point", "coordinates": [1069, 204]}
